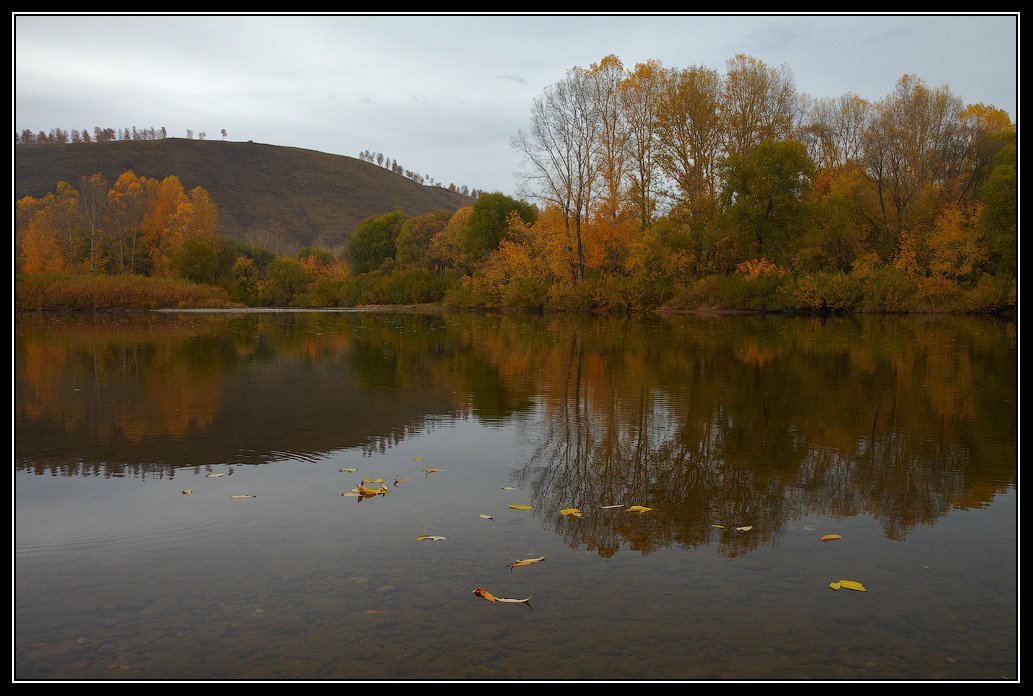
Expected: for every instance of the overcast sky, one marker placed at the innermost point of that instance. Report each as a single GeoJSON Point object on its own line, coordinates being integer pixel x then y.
{"type": "Point", "coordinates": [443, 95]}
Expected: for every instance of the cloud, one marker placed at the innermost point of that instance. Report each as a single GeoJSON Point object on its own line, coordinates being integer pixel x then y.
{"type": "Point", "coordinates": [514, 78]}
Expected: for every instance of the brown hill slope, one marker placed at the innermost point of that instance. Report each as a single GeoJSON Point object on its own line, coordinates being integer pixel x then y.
{"type": "Point", "coordinates": [281, 198]}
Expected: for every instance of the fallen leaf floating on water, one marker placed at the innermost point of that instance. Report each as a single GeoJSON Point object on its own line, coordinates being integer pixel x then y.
{"type": "Point", "coordinates": [213, 475]}
{"type": "Point", "coordinates": [520, 507]}
{"type": "Point", "coordinates": [362, 490]}
{"type": "Point", "coordinates": [417, 459]}
{"type": "Point", "coordinates": [400, 480]}
{"type": "Point", "coordinates": [744, 529]}
{"type": "Point", "coordinates": [427, 537]}
{"type": "Point", "coordinates": [348, 469]}
{"type": "Point", "coordinates": [848, 585]}
{"type": "Point", "coordinates": [526, 561]}
{"type": "Point", "coordinates": [610, 507]}
{"type": "Point", "coordinates": [639, 509]}
{"type": "Point", "coordinates": [718, 526]}
{"type": "Point", "coordinates": [508, 488]}
{"type": "Point", "coordinates": [830, 537]}
{"type": "Point", "coordinates": [486, 517]}
{"type": "Point", "coordinates": [481, 592]}
{"type": "Point", "coordinates": [570, 512]}
{"type": "Point", "coordinates": [241, 497]}
{"type": "Point", "coordinates": [186, 491]}
{"type": "Point", "coordinates": [433, 471]}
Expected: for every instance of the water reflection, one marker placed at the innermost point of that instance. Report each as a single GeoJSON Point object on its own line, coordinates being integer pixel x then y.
{"type": "Point", "coordinates": [727, 421]}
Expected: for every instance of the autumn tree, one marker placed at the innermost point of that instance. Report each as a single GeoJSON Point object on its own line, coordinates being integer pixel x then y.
{"type": "Point", "coordinates": [127, 205]}
{"type": "Point", "coordinates": [93, 200]}
{"type": "Point", "coordinates": [164, 199]}
{"type": "Point", "coordinates": [412, 248]}
{"type": "Point", "coordinates": [834, 131]}
{"type": "Point", "coordinates": [445, 252]}
{"type": "Point", "coordinates": [560, 149]}
{"type": "Point", "coordinates": [606, 78]}
{"type": "Point", "coordinates": [912, 149]}
{"type": "Point", "coordinates": [640, 96]}
{"type": "Point", "coordinates": [49, 232]}
{"type": "Point", "coordinates": [689, 138]}
{"type": "Point", "coordinates": [985, 131]}
{"type": "Point", "coordinates": [758, 104]}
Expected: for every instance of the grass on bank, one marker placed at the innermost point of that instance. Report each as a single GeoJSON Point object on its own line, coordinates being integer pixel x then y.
{"type": "Point", "coordinates": [118, 292]}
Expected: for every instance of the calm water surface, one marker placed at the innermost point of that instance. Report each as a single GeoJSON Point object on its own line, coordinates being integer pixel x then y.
{"type": "Point", "coordinates": [899, 434]}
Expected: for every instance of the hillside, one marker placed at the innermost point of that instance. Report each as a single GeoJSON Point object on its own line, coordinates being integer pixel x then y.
{"type": "Point", "coordinates": [282, 198]}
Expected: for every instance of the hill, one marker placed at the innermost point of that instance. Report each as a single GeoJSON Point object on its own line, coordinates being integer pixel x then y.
{"type": "Point", "coordinates": [281, 198]}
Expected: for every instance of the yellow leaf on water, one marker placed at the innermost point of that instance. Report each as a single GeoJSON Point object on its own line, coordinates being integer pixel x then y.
{"type": "Point", "coordinates": [639, 509]}
{"type": "Point", "coordinates": [432, 471]}
{"type": "Point", "coordinates": [362, 490]}
{"type": "Point", "coordinates": [526, 561]}
{"type": "Point", "coordinates": [213, 475]}
{"type": "Point", "coordinates": [348, 469]}
{"type": "Point", "coordinates": [852, 585]}
{"type": "Point", "coordinates": [400, 480]}
{"type": "Point", "coordinates": [834, 585]}
{"type": "Point", "coordinates": [417, 459]}
{"type": "Point", "coordinates": [486, 517]}
{"type": "Point", "coordinates": [186, 491]}
{"type": "Point", "coordinates": [481, 592]}
{"type": "Point", "coordinates": [830, 537]}
{"type": "Point", "coordinates": [427, 537]}
{"type": "Point", "coordinates": [241, 497]}
{"type": "Point", "coordinates": [573, 512]}
{"type": "Point", "coordinates": [718, 526]}
{"type": "Point", "coordinates": [520, 507]}
{"type": "Point", "coordinates": [744, 529]}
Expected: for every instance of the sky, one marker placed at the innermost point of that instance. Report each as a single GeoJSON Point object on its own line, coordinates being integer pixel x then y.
{"type": "Point", "coordinates": [444, 95]}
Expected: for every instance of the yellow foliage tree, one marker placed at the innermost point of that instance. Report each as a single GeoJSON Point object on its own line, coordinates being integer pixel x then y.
{"type": "Point", "coordinates": [41, 248]}
{"type": "Point", "coordinates": [956, 246]}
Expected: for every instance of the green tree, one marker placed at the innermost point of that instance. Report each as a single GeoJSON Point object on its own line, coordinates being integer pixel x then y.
{"type": "Point", "coordinates": [1000, 220]}
{"type": "Point", "coordinates": [197, 259]}
{"type": "Point", "coordinates": [285, 280]}
{"type": "Point", "coordinates": [373, 241]}
{"type": "Point", "coordinates": [489, 222]}
{"type": "Point", "coordinates": [764, 198]}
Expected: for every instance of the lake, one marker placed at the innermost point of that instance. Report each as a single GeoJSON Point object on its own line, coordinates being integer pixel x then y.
{"type": "Point", "coordinates": [749, 438]}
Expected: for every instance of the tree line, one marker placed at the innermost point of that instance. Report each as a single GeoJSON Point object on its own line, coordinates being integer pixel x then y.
{"type": "Point", "coordinates": [59, 136]}
{"type": "Point", "coordinates": [424, 180]}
